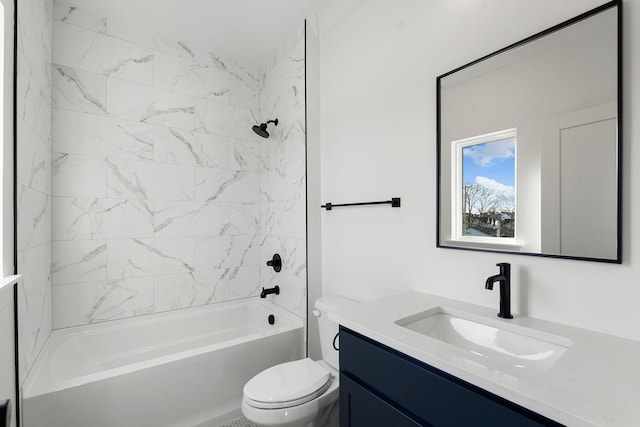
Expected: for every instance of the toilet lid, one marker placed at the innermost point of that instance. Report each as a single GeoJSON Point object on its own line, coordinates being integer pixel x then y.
{"type": "Point", "coordinates": [287, 384]}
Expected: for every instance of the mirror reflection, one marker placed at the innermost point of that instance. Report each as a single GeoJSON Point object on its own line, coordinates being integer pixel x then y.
{"type": "Point", "coordinates": [528, 145]}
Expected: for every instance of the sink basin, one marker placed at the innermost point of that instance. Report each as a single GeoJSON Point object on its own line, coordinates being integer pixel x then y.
{"type": "Point", "coordinates": [490, 342]}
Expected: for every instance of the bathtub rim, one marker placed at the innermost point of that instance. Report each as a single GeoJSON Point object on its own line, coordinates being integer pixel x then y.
{"type": "Point", "coordinates": [34, 386]}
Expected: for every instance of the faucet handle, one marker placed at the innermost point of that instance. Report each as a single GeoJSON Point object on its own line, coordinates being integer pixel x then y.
{"type": "Point", "coordinates": [505, 268]}
{"type": "Point", "coordinates": [275, 262]}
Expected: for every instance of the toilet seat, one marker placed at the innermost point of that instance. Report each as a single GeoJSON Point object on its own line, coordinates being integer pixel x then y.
{"type": "Point", "coordinates": [288, 384]}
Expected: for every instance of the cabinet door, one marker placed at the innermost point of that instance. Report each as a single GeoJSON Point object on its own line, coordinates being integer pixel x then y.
{"type": "Point", "coordinates": [361, 408]}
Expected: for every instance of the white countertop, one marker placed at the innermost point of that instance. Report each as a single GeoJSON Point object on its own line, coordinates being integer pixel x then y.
{"type": "Point", "coordinates": [7, 282]}
{"type": "Point", "coordinates": [596, 382]}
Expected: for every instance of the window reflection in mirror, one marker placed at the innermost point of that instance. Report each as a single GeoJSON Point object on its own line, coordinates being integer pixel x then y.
{"type": "Point", "coordinates": [485, 190]}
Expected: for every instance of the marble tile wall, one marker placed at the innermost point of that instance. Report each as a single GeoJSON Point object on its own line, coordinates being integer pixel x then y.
{"type": "Point", "coordinates": [33, 115]}
{"type": "Point", "coordinates": [162, 196]}
{"type": "Point", "coordinates": [155, 170]}
{"type": "Point", "coordinates": [283, 176]}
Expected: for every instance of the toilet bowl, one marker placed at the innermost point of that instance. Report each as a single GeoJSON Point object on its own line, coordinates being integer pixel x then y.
{"type": "Point", "coordinates": [303, 392]}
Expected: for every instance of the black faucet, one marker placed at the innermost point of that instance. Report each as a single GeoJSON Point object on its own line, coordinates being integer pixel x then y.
{"type": "Point", "coordinates": [504, 278]}
{"type": "Point", "coordinates": [274, 290]}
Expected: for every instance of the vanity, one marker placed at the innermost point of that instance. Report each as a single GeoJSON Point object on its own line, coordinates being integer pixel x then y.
{"type": "Point", "coordinates": [528, 163]}
{"type": "Point", "coordinates": [418, 359]}
{"type": "Point", "coordinates": [381, 386]}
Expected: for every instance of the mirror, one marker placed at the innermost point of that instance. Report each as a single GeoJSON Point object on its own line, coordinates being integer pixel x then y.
{"type": "Point", "coordinates": [529, 145]}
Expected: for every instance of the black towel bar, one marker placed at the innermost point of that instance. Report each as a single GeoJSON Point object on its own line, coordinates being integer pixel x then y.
{"type": "Point", "coordinates": [394, 202]}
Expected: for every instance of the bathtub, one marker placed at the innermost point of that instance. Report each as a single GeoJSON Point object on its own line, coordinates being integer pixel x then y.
{"type": "Point", "coordinates": [183, 368]}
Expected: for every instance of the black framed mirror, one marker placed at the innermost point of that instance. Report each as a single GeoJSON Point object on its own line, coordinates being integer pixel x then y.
{"type": "Point", "coordinates": [529, 144]}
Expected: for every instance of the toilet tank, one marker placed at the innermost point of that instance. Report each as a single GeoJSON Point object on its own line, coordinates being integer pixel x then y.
{"type": "Point", "coordinates": [328, 328]}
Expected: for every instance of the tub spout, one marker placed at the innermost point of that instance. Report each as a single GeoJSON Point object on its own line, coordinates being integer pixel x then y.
{"type": "Point", "coordinates": [274, 290]}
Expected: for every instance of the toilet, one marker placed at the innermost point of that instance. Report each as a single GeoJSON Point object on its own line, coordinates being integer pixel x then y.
{"type": "Point", "coordinates": [303, 392]}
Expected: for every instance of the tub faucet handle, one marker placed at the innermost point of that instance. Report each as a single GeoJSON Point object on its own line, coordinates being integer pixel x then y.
{"type": "Point", "coordinates": [276, 263]}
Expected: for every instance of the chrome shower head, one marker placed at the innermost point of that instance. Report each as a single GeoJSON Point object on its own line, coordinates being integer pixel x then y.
{"type": "Point", "coordinates": [262, 128]}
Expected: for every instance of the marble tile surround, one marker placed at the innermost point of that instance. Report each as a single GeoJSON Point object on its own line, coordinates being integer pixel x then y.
{"type": "Point", "coordinates": [162, 197]}
{"type": "Point", "coordinates": [283, 177]}
{"type": "Point", "coordinates": [34, 87]}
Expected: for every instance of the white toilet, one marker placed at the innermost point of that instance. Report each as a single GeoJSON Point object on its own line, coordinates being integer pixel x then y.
{"type": "Point", "coordinates": [303, 392]}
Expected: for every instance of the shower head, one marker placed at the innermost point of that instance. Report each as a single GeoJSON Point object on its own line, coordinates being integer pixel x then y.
{"type": "Point", "coordinates": [262, 128]}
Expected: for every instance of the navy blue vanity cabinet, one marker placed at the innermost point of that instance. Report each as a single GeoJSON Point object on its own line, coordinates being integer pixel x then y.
{"type": "Point", "coordinates": [380, 386]}
{"type": "Point", "coordinates": [367, 409]}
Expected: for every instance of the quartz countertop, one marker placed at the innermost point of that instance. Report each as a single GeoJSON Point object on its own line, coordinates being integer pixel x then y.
{"type": "Point", "coordinates": [7, 282]}
{"type": "Point", "coordinates": [596, 382]}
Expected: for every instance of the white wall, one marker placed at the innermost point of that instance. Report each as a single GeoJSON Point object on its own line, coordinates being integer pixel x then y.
{"type": "Point", "coordinates": [314, 230]}
{"type": "Point", "coordinates": [8, 233]}
{"type": "Point", "coordinates": [379, 62]}
{"type": "Point", "coordinates": [7, 338]}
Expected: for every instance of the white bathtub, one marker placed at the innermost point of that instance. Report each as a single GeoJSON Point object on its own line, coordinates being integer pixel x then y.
{"type": "Point", "coordinates": [183, 368]}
